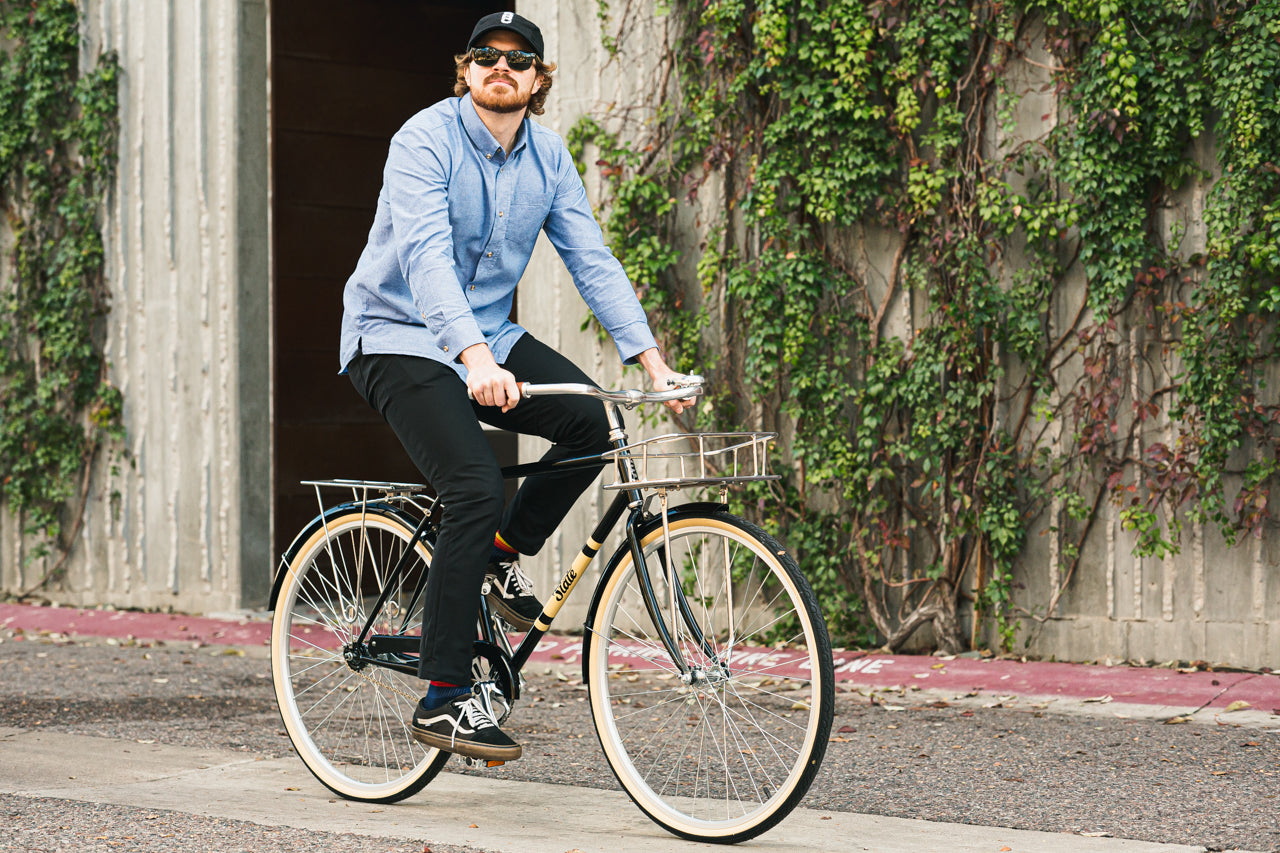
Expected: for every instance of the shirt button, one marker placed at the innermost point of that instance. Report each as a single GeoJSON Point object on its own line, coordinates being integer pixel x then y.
{"type": "Point", "coordinates": [446, 349]}
{"type": "Point", "coordinates": [488, 254]}
{"type": "Point", "coordinates": [499, 212]}
{"type": "Point", "coordinates": [473, 287]}
{"type": "Point", "coordinates": [488, 156]}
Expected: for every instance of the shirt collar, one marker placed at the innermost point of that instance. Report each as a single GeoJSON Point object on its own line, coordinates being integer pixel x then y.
{"type": "Point", "coordinates": [480, 136]}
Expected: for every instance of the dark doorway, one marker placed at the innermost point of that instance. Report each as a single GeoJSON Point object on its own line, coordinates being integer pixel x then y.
{"type": "Point", "coordinates": [345, 74]}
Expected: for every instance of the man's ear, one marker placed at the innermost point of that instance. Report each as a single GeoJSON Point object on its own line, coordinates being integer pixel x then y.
{"type": "Point", "coordinates": [537, 84]}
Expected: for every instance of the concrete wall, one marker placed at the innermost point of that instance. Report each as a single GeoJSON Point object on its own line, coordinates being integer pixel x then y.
{"type": "Point", "coordinates": [183, 520]}
{"type": "Point", "coordinates": [1210, 602]}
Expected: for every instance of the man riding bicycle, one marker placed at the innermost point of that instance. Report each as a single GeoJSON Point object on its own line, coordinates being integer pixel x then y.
{"type": "Point", "coordinates": [468, 185]}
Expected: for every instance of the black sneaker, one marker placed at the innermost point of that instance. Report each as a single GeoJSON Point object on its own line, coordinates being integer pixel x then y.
{"type": "Point", "coordinates": [511, 594]}
{"type": "Point", "coordinates": [465, 725]}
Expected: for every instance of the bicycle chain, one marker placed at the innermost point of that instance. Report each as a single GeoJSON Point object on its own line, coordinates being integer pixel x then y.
{"type": "Point", "coordinates": [373, 680]}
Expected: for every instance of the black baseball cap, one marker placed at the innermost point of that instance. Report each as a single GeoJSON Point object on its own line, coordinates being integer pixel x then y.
{"type": "Point", "coordinates": [508, 21]}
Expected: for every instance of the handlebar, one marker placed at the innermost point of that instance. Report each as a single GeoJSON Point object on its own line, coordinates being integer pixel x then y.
{"type": "Point", "coordinates": [689, 386]}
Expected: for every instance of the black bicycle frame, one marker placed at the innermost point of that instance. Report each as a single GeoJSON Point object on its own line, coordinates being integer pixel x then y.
{"type": "Point", "coordinates": [371, 649]}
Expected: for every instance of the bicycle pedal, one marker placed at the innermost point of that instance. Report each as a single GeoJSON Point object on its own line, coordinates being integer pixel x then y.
{"type": "Point", "coordinates": [481, 762]}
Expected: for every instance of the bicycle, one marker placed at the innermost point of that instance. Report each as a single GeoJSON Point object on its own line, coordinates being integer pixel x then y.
{"type": "Point", "coordinates": [684, 715]}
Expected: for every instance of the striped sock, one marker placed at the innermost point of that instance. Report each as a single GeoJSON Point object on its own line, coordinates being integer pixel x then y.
{"type": "Point", "coordinates": [502, 552]}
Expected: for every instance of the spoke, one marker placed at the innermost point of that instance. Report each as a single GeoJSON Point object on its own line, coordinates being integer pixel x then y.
{"type": "Point", "coordinates": [304, 641]}
{"type": "Point", "coordinates": [342, 700]}
{"type": "Point", "coordinates": [324, 606]}
{"type": "Point", "coordinates": [656, 648]}
{"type": "Point", "coordinates": [730, 785]}
{"type": "Point", "coordinates": [313, 663]}
{"type": "Point", "coordinates": [646, 710]}
{"type": "Point", "coordinates": [792, 640]}
{"type": "Point", "coordinates": [674, 772]}
{"type": "Point", "coordinates": [750, 750]}
{"type": "Point", "coordinates": [745, 714]}
{"type": "Point", "coordinates": [644, 748]}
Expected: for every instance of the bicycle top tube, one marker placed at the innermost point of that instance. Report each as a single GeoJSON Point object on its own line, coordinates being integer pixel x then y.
{"type": "Point", "coordinates": [690, 386]}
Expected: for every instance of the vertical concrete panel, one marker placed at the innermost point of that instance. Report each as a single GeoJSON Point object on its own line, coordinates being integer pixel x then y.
{"type": "Point", "coordinates": [549, 305]}
{"type": "Point", "coordinates": [183, 520]}
{"type": "Point", "coordinates": [249, 527]}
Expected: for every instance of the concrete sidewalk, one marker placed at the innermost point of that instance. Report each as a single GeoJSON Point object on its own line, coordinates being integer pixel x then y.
{"type": "Point", "coordinates": [458, 809]}
{"type": "Point", "coordinates": [1242, 698]}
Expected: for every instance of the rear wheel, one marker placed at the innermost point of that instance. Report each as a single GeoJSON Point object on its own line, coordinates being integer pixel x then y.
{"type": "Point", "coordinates": [725, 750]}
{"type": "Point", "coordinates": [350, 722]}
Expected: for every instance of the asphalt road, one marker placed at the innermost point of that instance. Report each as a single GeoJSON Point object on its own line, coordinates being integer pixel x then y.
{"type": "Point", "coordinates": [1213, 786]}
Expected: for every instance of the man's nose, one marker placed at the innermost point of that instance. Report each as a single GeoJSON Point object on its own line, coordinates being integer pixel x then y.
{"type": "Point", "coordinates": [502, 63]}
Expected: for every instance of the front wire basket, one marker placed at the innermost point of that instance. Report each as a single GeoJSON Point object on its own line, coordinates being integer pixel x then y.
{"type": "Point", "coordinates": [686, 460]}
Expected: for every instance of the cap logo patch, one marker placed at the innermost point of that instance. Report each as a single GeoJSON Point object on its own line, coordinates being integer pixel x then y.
{"type": "Point", "coordinates": [507, 17]}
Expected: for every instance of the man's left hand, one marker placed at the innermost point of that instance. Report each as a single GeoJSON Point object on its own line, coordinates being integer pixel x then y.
{"type": "Point", "coordinates": [664, 378]}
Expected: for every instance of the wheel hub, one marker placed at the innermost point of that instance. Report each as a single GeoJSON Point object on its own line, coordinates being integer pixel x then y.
{"type": "Point", "coordinates": [708, 678]}
{"type": "Point", "coordinates": [355, 655]}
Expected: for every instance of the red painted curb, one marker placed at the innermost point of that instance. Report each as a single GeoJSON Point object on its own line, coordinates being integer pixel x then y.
{"type": "Point", "coordinates": [1069, 681]}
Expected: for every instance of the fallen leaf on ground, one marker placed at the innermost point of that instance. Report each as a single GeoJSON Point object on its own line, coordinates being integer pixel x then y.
{"type": "Point", "coordinates": [1238, 705]}
{"type": "Point", "coordinates": [1174, 720]}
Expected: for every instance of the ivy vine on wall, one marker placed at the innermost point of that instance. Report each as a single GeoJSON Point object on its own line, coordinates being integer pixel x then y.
{"type": "Point", "coordinates": [58, 131]}
{"type": "Point", "coordinates": [802, 132]}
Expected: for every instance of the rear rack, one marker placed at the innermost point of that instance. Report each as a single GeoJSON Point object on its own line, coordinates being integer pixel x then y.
{"type": "Point", "coordinates": [417, 494]}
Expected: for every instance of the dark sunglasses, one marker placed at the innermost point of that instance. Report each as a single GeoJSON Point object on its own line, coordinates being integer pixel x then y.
{"type": "Point", "coordinates": [517, 60]}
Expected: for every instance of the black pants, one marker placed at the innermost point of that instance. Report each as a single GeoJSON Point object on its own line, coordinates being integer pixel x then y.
{"type": "Point", "coordinates": [426, 405]}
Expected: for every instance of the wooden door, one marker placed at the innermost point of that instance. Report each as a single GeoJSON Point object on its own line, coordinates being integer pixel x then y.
{"type": "Point", "coordinates": [345, 75]}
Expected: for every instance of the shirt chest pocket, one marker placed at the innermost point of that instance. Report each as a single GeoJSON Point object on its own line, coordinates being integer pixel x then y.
{"type": "Point", "coordinates": [528, 212]}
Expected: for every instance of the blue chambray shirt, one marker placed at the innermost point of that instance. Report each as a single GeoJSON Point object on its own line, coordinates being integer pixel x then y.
{"type": "Point", "coordinates": [457, 220]}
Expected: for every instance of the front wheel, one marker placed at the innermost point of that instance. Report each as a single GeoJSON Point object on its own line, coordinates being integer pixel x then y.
{"type": "Point", "coordinates": [349, 719]}
{"type": "Point", "coordinates": [726, 749]}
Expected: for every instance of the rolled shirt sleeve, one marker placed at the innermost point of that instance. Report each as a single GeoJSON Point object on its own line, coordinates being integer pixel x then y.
{"type": "Point", "coordinates": [572, 228]}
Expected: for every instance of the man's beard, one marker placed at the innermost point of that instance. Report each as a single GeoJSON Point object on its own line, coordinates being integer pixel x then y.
{"type": "Point", "coordinates": [499, 99]}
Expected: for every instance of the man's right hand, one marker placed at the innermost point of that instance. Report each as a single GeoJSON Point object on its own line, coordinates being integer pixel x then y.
{"type": "Point", "coordinates": [489, 383]}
